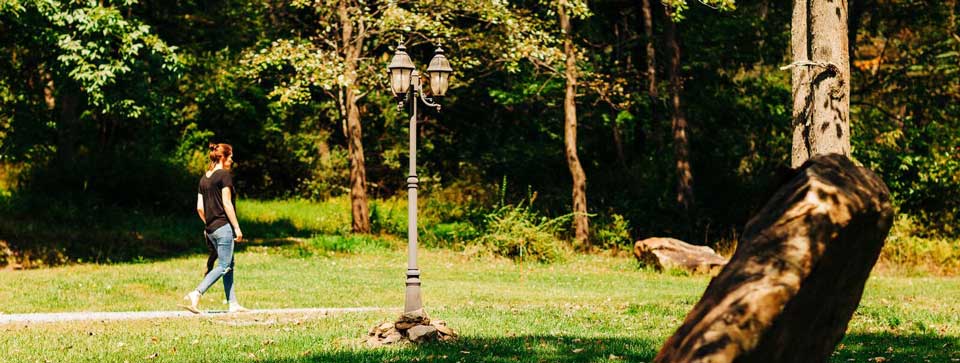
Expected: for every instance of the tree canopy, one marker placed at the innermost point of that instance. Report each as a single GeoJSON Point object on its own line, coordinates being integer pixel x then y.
{"type": "Point", "coordinates": [90, 89]}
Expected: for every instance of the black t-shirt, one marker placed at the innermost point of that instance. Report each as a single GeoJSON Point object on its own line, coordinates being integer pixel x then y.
{"type": "Point", "coordinates": [210, 189]}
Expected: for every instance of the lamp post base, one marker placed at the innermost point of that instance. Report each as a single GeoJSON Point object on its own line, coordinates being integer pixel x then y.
{"type": "Point", "coordinates": [413, 327]}
{"type": "Point", "coordinates": [412, 301]}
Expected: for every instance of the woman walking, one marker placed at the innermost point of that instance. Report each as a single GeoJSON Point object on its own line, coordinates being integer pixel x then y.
{"type": "Point", "coordinates": [215, 206]}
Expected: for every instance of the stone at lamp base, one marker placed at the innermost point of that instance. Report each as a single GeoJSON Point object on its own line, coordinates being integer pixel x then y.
{"type": "Point", "coordinates": [411, 327]}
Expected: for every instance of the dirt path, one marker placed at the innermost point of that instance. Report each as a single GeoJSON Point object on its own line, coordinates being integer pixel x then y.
{"type": "Point", "coordinates": [134, 315]}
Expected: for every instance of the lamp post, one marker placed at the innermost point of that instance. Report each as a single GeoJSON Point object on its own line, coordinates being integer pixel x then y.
{"type": "Point", "coordinates": [406, 85]}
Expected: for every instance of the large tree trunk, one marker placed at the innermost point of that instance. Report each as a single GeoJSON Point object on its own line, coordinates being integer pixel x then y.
{"type": "Point", "coordinates": [798, 274]}
{"type": "Point", "coordinates": [352, 45]}
{"type": "Point", "coordinates": [821, 79]}
{"type": "Point", "coordinates": [580, 222]}
{"type": "Point", "coordinates": [681, 144]}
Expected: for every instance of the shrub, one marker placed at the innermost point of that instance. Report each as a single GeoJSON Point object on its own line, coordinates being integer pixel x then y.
{"type": "Point", "coordinates": [464, 200]}
{"type": "Point", "coordinates": [909, 244]}
{"type": "Point", "coordinates": [348, 244]}
{"type": "Point", "coordinates": [330, 175]}
{"type": "Point", "coordinates": [389, 216]}
{"type": "Point", "coordinates": [612, 232]}
{"type": "Point", "coordinates": [453, 234]}
{"type": "Point", "coordinates": [453, 215]}
{"type": "Point", "coordinates": [521, 234]}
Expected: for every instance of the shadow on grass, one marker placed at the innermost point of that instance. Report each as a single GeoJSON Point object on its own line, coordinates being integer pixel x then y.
{"type": "Point", "coordinates": [27, 241]}
{"type": "Point", "coordinates": [896, 348]}
{"type": "Point", "coordinates": [532, 348]}
{"type": "Point", "coordinates": [275, 230]}
{"type": "Point", "coordinates": [883, 347]}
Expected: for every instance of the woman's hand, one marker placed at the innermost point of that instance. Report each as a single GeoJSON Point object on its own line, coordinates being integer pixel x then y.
{"type": "Point", "coordinates": [227, 196]}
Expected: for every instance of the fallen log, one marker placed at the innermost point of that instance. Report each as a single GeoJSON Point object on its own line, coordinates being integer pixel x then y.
{"type": "Point", "coordinates": [797, 275]}
{"type": "Point", "coordinates": [668, 253]}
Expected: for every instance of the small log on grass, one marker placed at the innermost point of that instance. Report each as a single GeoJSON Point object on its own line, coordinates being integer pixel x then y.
{"type": "Point", "coordinates": [797, 275]}
{"type": "Point", "coordinates": [668, 253]}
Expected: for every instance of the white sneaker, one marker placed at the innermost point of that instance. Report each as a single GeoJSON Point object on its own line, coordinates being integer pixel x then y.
{"type": "Point", "coordinates": [237, 308]}
{"type": "Point", "coordinates": [194, 298]}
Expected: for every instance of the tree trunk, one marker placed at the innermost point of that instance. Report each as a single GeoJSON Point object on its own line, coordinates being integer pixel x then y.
{"type": "Point", "coordinates": [618, 145]}
{"type": "Point", "coordinates": [681, 144]}
{"type": "Point", "coordinates": [856, 9]}
{"type": "Point", "coordinates": [821, 79]}
{"type": "Point", "coordinates": [67, 127]}
{"type": "Point", "coordinates": [352, 45]}
{"type": "Point", "coordinates": [651, 52]}
{"type": "Point", "coordinates": [49, 89]}
{"type": "Point", "coordinates": [952, 22]}
{"type": "Point", "coordinates": [798, 274]}
{"type": "Point", "coordinates": [652, 93]}
{"type": "Point", "coordinates": [580, 222]}
{"type": "Point", "coordinates": [761, 39]}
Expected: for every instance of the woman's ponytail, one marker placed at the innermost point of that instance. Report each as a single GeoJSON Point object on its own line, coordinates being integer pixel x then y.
{"type": "Point", "coordinates": [218, 153]}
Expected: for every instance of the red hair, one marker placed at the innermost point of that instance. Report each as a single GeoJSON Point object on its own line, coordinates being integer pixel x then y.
{"type": "Point", "coordinates": [220, 153]}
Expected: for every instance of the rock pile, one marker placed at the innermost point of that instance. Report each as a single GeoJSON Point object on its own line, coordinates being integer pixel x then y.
{"type": "Point", "coordinates": [412, 327]}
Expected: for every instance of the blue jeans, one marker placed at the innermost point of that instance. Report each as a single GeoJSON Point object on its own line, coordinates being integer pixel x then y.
{"type": "Point", "coordinates": [222, 238]}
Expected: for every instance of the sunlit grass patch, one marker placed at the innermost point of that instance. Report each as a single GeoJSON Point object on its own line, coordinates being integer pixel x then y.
{"type": "Point", "coordinates": [590, 308]}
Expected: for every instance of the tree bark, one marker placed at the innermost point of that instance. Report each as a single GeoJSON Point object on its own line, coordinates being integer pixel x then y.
{"type": "Point", "coordinates": [761, 39]}
{"type": "Point", "coordinates": [618, 145]}
{"type": "Point", "coordinates": [651, 51]}
{"type": "Point", "coordinates": [952, 22]}
{"type": "Point", "coordinates": [49, 89]}
{"type": "Point", "coordinates": [580, 221]}
{"type": "Point", "coordinates": [352, 45]}
{"type": "Point", "coordinates": [856, 9]}
{"type": "Point", "coordinates": [798, 274]}
{"type": "Point", "coordinates": [821, 79]}
{"type": "Point", "coordinates": [67, 127]}
{"type": "Point", "coordinates": [681, 143]}
{"type": "Point", "coordinates": [652, 93]}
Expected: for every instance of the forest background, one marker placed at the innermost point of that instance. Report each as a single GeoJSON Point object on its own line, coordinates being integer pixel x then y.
{"type": "Point", "coordinates": [106, 108]}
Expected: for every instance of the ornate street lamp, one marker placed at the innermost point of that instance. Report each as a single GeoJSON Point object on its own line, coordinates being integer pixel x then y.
{"type": "Point", "coordinates": [403, 75]}
{"type": "Point", "coordinates": [401, 67]}
{"type": "Point", "coordinates": [439, 71]}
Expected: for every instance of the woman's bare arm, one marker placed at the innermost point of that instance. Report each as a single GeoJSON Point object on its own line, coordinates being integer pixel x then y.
{"type": "Point", "coordinates": [226, 193]}
{"type": "Point", "coordinates": [200, 207]}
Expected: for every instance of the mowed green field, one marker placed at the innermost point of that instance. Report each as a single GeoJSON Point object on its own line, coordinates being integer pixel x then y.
{"type": "Point", "coordinates": [586, 309]}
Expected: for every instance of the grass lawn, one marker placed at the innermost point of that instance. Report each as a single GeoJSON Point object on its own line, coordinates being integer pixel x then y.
{"type": "Point", "coordinates": [587, 309]}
